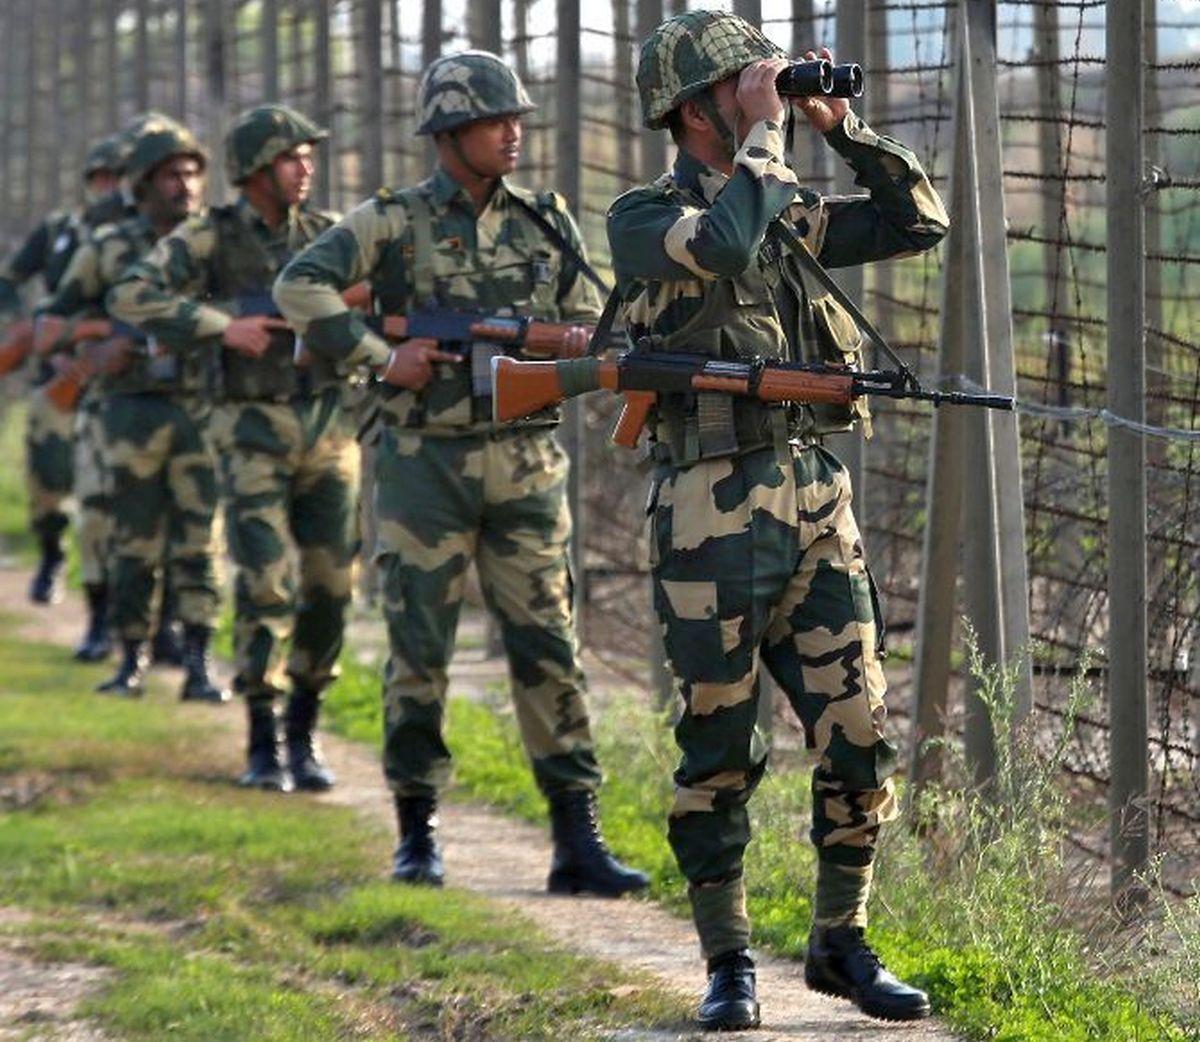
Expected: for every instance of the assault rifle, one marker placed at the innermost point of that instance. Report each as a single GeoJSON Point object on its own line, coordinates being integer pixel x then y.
{"type": "Point", "coordinates": [105, 347]}
{"type": "Point", "coordinates": [16, 346]}
{"type": "Point", "coordinates": [458, 330]}
{"type": "Point", "coordinates": [523, 388]}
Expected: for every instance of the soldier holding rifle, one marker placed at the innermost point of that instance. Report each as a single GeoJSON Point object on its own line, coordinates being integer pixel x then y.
{"type": "Point", "coordinates": [756, 555]}
{"type": "Point", "coordinates": [288, 456]}
{"type": "Point", "coordinates": [48, 250]}
{"type": "Point", "coordinates": [452, 485]}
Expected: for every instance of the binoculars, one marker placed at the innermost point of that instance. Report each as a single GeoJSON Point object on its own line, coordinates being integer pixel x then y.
{"type": "Point", "coordinates": [820, 78]}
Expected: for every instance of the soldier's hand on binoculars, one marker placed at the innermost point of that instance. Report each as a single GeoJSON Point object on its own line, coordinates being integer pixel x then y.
{"type": "Point", "coordinates": [251, 334]}
{"type": "Point", "coordinates": [822, 112]}
{"type": "Point", "coordinates": [411, 363]}
{"type": "Point", "coordinates": [756, 94]}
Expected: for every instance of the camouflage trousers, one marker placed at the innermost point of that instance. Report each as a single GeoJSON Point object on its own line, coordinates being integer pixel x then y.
{"type": "Point", "coordinates": [290, 483]}
{"type": "Point", "coordinates": [441, 502]}
{"type": "Point", "coordinates": [48, 464]}
{"type": "Point", "coordinates": [164, 494]}
{"type": "Point", "coordinates": [94, 526]}
{"type": "Point", "coordinates": [755, 562]}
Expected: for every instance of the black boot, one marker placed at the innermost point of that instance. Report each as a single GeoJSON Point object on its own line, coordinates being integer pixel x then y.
{"type": "Point", "coordinates": [582, 862]}
{"type": "Point", "coordinates": [45, 588]}
{"type": "Point", "coordinates": [304, 758]}
{"type": "Point", "coordinates": [418, 857]}
{"type": "Point", "coordinates": [96, 645]}
{"type": "Point", "coordinates": [729, 1003]}
{"type": "Point", "coordinates": [198, 685]}
{"type": "Point", "coordinates": [127, 681]}
{"type": "Point", "coordinates": [840, 963]}
{"type": "Point", "coordinates": [263, 770]}
{"type": "Point", "coordinates": [166, 646]}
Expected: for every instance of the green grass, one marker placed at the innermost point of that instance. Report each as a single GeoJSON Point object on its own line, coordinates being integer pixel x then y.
{"type": "Point", "coordinates": [980, 908]}
{"type": "Point", "coordinates": [15, 537]}
{"type": "Point", "coordinates": [231, 915]}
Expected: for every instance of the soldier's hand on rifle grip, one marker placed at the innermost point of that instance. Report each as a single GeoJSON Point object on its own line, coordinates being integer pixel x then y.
{"type": "Point", "coordinates": [756, 94]}
{"type": "Point", "coordinates": [411, 363]}
{"type": "Point", "coordinates": [823, 112]}
{"type": "Point", "coordinates": [251, 334]}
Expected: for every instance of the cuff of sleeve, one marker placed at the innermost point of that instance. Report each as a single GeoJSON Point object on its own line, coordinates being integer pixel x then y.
{"type": "Point", "coordinates": [761, 154]}
{"type": "Point", "coordinates": [765, 136]}
{"type": "Point", "coordinates": [371, 351]}
{"type": "Point", "coordinates": [210, 322]}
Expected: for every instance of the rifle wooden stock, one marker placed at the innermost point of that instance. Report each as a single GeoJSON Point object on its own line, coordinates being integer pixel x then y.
{"type": "Point", "coordinates": [16, 346]}
{"type": "Point", "coordinates": [65, 388]}
{"type": "Point", "coordinates": [523, 388]}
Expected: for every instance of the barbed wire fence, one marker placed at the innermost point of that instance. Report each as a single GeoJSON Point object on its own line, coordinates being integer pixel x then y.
{"type": "Point", "coordinates": [74, 69]}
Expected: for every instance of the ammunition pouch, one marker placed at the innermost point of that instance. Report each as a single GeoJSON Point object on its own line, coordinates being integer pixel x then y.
{"type": "Point", "coordinates": [688, 428]}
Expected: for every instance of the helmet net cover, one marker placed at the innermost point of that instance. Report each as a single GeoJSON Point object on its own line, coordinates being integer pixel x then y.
{"type": "Point", "coordinates": [690, 52]}
{"type": "Point", "coordinates": [458, 89]}
{"type": "Point", "coordinates": [260, 134]}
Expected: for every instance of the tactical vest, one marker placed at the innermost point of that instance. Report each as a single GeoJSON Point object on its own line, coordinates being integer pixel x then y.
{"type": "Point", "coordinates": [423, 267]}
{"type": "Point", "coordinates": [739, 319]}
{"type": "Point", "coordinates": [243, 269]}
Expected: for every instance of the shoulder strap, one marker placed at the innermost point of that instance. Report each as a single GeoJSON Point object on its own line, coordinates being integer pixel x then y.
{"type": "Point", "coordinates": [420, 213]}
{"type": "Point", "coordinates": [790, 239]}
{"type": "Point", "coordinates": [600, 335]}
{"type": "Point", "coordinates": [563, 244]}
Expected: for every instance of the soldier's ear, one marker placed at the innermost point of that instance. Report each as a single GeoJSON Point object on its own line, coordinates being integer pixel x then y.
{"type": "Point", "coordinates": [693, 117]}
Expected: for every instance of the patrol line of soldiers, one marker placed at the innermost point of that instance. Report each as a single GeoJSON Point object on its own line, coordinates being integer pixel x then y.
{"type": "Point", "coordinates": [756, 556]}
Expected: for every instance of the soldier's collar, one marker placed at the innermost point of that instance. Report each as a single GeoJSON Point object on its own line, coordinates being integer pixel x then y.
{"type": "Point", "coordinates": [443, 188]}
{"type": "Point", "coordinates": [247, 213]}
{"type": "Point", "coordinates": [696, 177]}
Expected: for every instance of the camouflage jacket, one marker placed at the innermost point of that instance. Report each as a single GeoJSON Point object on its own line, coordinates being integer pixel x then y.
{"type": "Point", "coordinates": [94, 269]}
{"type": "Point", "coordinates": [49, 247]}
{"type": "Point", "coordinates": [698, 270]}
{"type": "Point", "coordinates": [213, 266]}
{"type": "Point", "coordinates": [427, 243]}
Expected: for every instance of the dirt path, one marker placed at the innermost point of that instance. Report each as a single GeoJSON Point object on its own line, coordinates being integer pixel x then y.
{"type": "Point", "coordinates": [506, 860]}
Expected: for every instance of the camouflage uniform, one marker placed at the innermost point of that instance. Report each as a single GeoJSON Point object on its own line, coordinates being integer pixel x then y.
{"type": "Point", "coordinates": [755, 552]}
{"type": "Point", "coordinates": [92, 271]}
{"type": "Point", "coordinates": [163, 482]}
{"type": "Point", "coordinates": [452, 485]}
{"type": "Point", "coordinates": [50, 471]}
{"type": "Point", "coordinates": [287, 449]}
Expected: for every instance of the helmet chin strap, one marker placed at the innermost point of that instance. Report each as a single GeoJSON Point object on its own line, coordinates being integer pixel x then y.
{"type": "Point", "coordinates": [708, 105]}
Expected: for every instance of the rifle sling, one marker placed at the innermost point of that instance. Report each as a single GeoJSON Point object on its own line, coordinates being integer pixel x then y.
{"type": "Point", "coordinates": [609, 314]}
{"type": "Point", "coordinates": [792, 241]}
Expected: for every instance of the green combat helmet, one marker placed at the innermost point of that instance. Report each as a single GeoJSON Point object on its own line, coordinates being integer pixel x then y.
{"type": "Point", "coordinates": [159, 139]}
{"type": "Point", "coordinates": [690, 52]}
{"type": "Point", "coordinates": [460, 88]}
{"type": "Point", "coordinates": [108, 153]}
{"type": "Point", "coordinates": [258, 135]}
